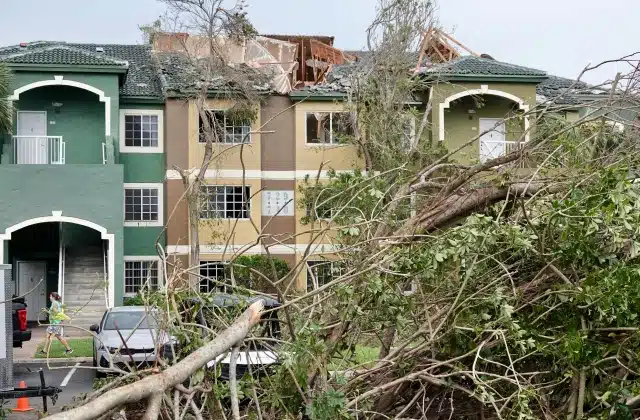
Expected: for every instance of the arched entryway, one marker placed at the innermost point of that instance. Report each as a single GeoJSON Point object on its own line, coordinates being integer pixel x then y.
{"type": "Point", "coordinates": [501, 116]}
{"type": "Point", "coordinates": [75, 257]}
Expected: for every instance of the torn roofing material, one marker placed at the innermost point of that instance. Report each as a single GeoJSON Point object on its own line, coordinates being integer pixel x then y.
{"type": "Point", "coordinates": [181, 76]}
{"type": "Point", "coordinates": [563, 91]}
{"type": "Point", "coordinates": [141, 77]}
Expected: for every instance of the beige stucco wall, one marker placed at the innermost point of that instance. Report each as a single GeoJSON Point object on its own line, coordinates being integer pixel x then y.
{"type": "Point", "coordinates": [226, 156]}
{"type": "Point", "coordinates": [310, 157]}
{"type": "Point", "coordinates": [459, 128]}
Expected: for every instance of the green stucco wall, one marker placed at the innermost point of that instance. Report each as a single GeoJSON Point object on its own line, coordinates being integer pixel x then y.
{"type": "Point", "coordinates": [80, 120]}
{"type": "Point", "coordinates": [108, 83]}
{"type": "Point", "coordinates": [88, 192]}
{"type": "Point", "coordinates": [142, 240]}
{"type": "Point", "coordinates": [459, 128]}
{"type": "Point", "coordinates": [143, 168]}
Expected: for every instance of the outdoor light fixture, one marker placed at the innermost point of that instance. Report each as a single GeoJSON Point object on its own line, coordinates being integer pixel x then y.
{"type": "Point", "coordinates": [471, 113]}
{"type": "Point", "coordinates": [56, 106]}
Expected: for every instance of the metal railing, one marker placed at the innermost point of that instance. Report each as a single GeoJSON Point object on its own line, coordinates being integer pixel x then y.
{"type": "Point", "coordinates": [38, 150]}
{"type": "Point", "coordinates": [491, 149]}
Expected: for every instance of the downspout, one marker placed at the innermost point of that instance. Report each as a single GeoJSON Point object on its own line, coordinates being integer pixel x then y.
{"type": "Point", "coordinates": [60, 262]}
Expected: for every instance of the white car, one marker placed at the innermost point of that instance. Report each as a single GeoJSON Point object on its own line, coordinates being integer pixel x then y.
{"type": "Point", "coordinates": [128, 336]}
{"type": "Point", "coordinates": [260, 356]}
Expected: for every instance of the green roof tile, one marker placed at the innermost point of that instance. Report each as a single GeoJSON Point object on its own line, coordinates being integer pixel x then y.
{"type": "Point", "coordinates": [142, 76]}
{"type": "Point", "coordinates": [477, 66]}
{"type": "Point", "coordinates": [62, 55]}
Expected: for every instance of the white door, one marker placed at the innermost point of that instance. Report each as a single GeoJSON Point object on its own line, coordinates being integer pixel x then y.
{"type": "Point", "coordinates": [29, 275]}
{"type": "Point", "coordinates": [492, 144]}
{"type": "Point", "coordinates": [32, 148]}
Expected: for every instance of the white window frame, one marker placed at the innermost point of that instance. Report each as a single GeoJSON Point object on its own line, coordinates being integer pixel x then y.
{"type": "Point", "coordinates": [229, 218]}
{"type": "Point", "coordinates": [329, 263]}
{"type": "Point", "coordinates": [140, 258]}
{"type": "Point", "coordinates": [224, 143]}
{"type": "Point", "coordinates": [142, 149]}
{"type": "Point", "coordinates": [160, 187]}
{"type": "Point", "coordinates": [203, 265]}
{"type": "Point", "coordinates": [331, 142]}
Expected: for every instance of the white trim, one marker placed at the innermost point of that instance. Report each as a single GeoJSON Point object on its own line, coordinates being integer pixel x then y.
{"type": "Point", "coordinates": [141, 258]}
{"type": "Point", "coordinates": [484, 90]}
{"type": "Point", "coordinates": [60, 81]}
{"type": "Point", "coordinates": [284, 175]}
{"type": "Point", "coordinates": [57, 217]}
{"type": "Point", "coordinates": [173, 174]}
{"type": "Point", "coordinates": [331, 143]}
{"type": "Point", "coordinates": [251, 249]}
{"type": "Point", "coordinates": [142, 149]}
{"type": "Point", "coordinates": [160, 187]}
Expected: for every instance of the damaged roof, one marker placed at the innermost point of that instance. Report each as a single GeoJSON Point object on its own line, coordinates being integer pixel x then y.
{"type": "Point", "coordinates": [141, 76]}
{"type": "Point", "coordinates": [470, 66]}
{"type": "Point", "coordinates": [338, 83]}
{"type": "Point", "coordinates": [565, 91]}
{"type": "Point", "coordinates": [180, 76]}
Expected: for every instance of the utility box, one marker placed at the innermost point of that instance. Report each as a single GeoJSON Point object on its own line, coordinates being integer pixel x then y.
{"type": "Point", "coordinates": [6, 328]}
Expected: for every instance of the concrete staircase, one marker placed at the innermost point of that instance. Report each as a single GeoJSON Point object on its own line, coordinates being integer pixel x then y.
{"type": "Point", "coordinates": [84, 287]}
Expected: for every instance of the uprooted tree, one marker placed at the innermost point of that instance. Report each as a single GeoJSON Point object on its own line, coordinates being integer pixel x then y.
{"type": "Point", "coordinates": [507, 288]}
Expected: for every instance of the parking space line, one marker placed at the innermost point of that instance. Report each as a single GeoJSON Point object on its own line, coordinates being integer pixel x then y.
{"type": "Point", "coordinates": [66, 379]}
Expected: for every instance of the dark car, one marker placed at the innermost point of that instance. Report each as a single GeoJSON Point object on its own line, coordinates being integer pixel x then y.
{"type": "Point", "coordinates": [261, 355]}
{"type": "Point", "coordinates": [19, 317]}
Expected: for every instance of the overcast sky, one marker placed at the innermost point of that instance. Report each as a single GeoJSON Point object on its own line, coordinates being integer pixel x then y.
{"type": "Point", "coordinates": [558, 36]}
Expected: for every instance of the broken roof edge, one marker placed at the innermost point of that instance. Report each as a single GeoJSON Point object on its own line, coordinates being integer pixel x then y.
{"type": "Point", "coordinates": [301, 95]}
{"type": "Point", "coordinates": [211, 94]}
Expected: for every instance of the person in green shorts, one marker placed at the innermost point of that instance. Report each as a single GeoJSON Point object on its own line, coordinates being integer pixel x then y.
{"type": "Point", "coordinates": [56, 316]}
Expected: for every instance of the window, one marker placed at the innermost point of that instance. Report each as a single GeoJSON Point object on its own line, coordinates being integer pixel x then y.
{"type": "Point", "coordinates": [128, 320]}
{"type": "Point", "coordinates": [329, 127]}
{"type": "Point", "coordinates": [211, 270]}
{"type": "Point", "coordinates": [140, 275]}
{"type": "Point", "coordinates": [141, 131]}
{"type": "Point", "coordinates": [225, 202]}
{"type": "Point", "coordinates": [229, 131]}
{"type": "Point", "coordinates": [143, 205]}
{"type": "Point", "coordinates": [320, 273]}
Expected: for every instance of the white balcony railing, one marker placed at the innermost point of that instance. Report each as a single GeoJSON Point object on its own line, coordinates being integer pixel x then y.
{"type": "Point", "coordinates": [38, 150]}
{"type": "Point", "coordinates": [491, 149]}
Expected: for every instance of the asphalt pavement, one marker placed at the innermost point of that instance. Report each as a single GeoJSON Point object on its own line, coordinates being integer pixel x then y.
{"type": "Point", "coordinates": [75, 379]}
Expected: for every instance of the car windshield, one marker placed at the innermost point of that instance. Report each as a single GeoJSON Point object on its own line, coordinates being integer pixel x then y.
{"type": "Point", "coordinates": [129, 320]}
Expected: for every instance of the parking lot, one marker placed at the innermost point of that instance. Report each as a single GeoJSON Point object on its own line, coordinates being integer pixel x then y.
{"type": "Point", "coordinates": [74, 380]}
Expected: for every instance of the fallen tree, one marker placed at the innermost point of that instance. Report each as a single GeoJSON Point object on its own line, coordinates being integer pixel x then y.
{"type": "Point", "coordinates": [154, 386]}
{"type": "Point", "coordinates": [503, 289]}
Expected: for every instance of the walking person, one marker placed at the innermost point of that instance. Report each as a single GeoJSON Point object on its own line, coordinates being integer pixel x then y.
{"type": "Point", "coordinates": [56, 316]}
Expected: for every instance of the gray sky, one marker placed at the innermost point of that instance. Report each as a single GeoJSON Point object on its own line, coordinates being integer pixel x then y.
{"type": "Point", "coordinates": [559, 36]}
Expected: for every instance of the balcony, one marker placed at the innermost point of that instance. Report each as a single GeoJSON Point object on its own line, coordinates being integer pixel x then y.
{"type": "Point", "coordinates": [491, 149]}
{"type": "Point", "coordinates": [38, 150]}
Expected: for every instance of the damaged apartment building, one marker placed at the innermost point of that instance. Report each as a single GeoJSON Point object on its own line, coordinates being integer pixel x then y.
{"type": "Point", "coordinates": [103, 134]}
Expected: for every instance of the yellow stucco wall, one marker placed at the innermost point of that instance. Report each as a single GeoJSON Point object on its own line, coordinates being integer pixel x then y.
{"type": "Point", "coordinates": [310, 156]}
{"type": "Point", "coordinates": [226, 156]}
{"type": "Point", "coordinates": [461, 126]}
